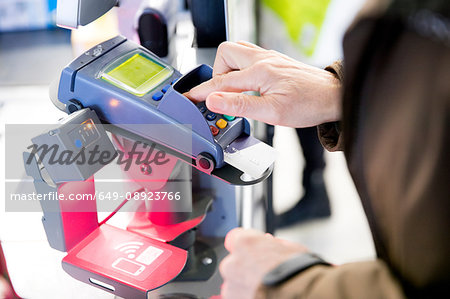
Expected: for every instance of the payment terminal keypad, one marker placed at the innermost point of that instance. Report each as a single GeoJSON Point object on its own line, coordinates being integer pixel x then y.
{"type": "Point", "coordinates": [224, 128]}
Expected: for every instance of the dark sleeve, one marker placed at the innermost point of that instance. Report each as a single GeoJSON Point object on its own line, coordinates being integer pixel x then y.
{"type": "Point", "coordinates": [330, 135]}
{"type": "Point", "coordinates": [369, 280]}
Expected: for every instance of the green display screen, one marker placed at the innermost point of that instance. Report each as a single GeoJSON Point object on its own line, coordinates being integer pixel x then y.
{"type": "Point", "coordinates": [138, 75]}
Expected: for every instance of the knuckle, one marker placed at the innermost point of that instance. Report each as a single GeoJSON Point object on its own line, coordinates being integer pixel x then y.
{"type": "Point", "coordinates": [223, 47]}
{"type": "Point", "coordinates": [240, 104]}
{"type": "Point", "coordinates": [244, 42]}
{"type": "Point", "coordinates": [272, 53]}
{"type": "Point", "coordinates": [246, 240]}
{"type": "Point", "coordinates": [260, 65]}
{"type": "Point", "coordinates": [265, 67]}
{"type": "Point", "coordinates": [217, 82]}
{"type": "Point", "coordinates": [225, 266]}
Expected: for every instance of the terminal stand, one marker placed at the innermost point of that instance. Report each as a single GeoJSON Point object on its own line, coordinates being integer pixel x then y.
{"type": "Point", "coordinates": [155, 248]}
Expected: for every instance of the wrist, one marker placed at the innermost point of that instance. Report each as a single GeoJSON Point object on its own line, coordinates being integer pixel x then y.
{"type": "Point", "coordinates": [332, 100]}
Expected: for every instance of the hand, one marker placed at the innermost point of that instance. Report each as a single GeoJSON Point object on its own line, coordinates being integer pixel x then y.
{"type": "Point", "coordinates": [252, 255]}
{"type": "Point", "coordinates": [292, 93]}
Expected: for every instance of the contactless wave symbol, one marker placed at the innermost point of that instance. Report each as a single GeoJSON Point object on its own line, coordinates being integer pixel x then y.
{"type": "Point", "coordinates": [129, 248]}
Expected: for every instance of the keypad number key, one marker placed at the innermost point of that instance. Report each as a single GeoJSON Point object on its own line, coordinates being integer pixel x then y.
{"type": "Point", "coordinates": [211, 116]}
{"type": "Point", "coordinates": [214, 130]}
{"type": "Point", "coordinates": [229, 117]}
{"type": "Point", "coordinates": [221, 123]}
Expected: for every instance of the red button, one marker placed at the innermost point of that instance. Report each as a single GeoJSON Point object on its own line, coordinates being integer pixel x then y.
{"type": "Point", "coordinates": [214, 130]}
{"type": "Point", "coordinates": [203, 163]}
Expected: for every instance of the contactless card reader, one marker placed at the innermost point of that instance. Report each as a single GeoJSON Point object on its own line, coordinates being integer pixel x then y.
{"type": "Point", "coordinates": [125, 84]}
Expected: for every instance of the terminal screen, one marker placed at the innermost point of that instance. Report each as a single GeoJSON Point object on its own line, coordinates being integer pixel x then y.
{"type": "Point", "coordinates": [138, 74]}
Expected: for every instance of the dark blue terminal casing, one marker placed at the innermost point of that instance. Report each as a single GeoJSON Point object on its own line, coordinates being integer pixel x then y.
{"type": "Point", "coordinates": [82, 84]}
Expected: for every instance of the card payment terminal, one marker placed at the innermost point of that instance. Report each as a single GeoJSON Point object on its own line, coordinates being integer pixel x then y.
{"type": "Point", "coordinates": [125, 84]}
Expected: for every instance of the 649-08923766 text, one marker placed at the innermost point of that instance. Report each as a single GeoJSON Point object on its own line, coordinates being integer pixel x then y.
{"type": "Point", "coordinates": [102, 195]}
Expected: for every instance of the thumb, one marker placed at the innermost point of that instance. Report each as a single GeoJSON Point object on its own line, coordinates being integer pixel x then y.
{"type": "Point", "coordinates": [238, 104]}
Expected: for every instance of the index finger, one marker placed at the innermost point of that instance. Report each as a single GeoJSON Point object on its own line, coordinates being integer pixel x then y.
{"type": "Point", "coordinates": [234, 56]}
{"type": "Point", "coordinates": [235, 81]}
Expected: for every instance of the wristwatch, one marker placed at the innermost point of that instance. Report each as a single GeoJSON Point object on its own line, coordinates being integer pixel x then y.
{"type": "Point", "coordinates": [291, 267]}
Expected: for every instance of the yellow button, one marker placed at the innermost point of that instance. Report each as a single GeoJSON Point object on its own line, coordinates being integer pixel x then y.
{"type": "Point", "coordinates": [221, 123]}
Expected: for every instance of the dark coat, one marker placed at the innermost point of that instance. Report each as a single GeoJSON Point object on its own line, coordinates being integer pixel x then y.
{"type": "Point", "coordinates": [395, 134]}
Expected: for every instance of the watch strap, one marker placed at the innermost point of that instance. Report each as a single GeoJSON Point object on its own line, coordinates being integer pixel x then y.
{"type": "Point", "coordinates": [291, 267]}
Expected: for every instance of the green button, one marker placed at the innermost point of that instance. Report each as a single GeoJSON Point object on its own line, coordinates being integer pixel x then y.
{"type": "Point", "coordinates": [229, 118]}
